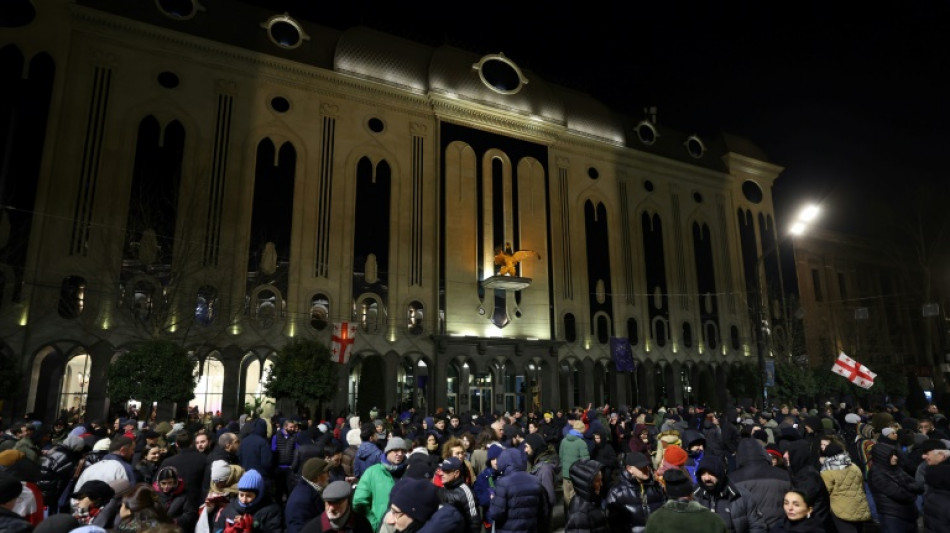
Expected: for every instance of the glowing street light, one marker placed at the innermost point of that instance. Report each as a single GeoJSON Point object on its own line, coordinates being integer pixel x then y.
{"type": "Point", "coordinates": [805, 217]}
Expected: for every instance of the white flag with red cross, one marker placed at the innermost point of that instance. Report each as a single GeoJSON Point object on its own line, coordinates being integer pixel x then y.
{"type": "Point", "coordinates": [344, 336]}
{"type": "Point", "coordinates": [856, 373]}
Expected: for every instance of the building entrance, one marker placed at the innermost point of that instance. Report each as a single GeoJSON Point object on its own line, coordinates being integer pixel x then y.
{"type": "Point", "coordinates": [481, 399]}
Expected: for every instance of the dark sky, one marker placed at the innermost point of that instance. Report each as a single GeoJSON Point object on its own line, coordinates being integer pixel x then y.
{"type": "Point", "coordinates": [851, 102]}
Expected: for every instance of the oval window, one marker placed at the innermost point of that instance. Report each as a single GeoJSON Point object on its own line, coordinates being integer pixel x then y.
{"type": "Point", "coordinates": [177, 9]}
{"type": "Point", "coordinates": [500, 74]}
{"type": "Point", "coordinates": [285, 32]}
{"type": "Point", "coordinates": [280, 104]}
{"type": "Point", "coordinates": [646, 132]}
{"type": "Point", "coordinates": [168, 80]}
{"type": "Point", "coordinates": [695, 147]}
{"type": "Point", "coordinates": [752, 191]}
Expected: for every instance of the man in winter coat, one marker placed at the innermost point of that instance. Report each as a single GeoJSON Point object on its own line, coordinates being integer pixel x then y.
{"type": "Point", "coordinates": [414, 507]}
{"type": "Point", "coordinates": [680, 512]}
{"type": "Point", "coordinates": [372, 492]}
{"type": "Point", "coordinates": [306, 501]}
{"type": "Point", "coordinates": [937, 499]}
{"type": "Point", "coordinates": [573, 448]}
{"type": "Point", "coordinates": [227, 450]}
{"type": "Point", "coordinates": [765, 484]}
{"type": "Point", "coordinates": [114, 465]}
{"type": "Point", "coordinates": [455, 492]}
{"type": "Point", "coordinates": [368, 454]}
{"type": "Point", "coordinates": [543, 464]}
{"type": "Point", "coordinates": [255, 451]}
{"type": "Point", "coordinates": [894, 491]}
{"type": "Point", "coordinates": [190, 464]}
{"type": "Point", "coordinates": [57, 467]}
{"type": "Point", "coordinates": [519, 500]}
{"type": "Point", "coordinates": [585, 513]}
{"type": "Point", "coordinates": [635, 496]}
{"type": "Point", "coordinates": [283, 445]}
{"type": "Point", "coordinates": [339, 515]}
{"type": "Point", "coordinates": [731, 503]}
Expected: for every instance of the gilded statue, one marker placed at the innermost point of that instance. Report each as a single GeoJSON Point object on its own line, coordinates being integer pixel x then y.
{"type": "Point", "coordinates": [509, 260]}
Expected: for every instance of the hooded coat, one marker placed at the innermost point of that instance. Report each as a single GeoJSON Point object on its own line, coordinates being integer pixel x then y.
{"type": "Point", "coordinates": [765, 484]}
{"type": "Point", "coordinates": [733, 504]}
{"type": "Point", "coordinates": [519, 500]}
{"type": "Point", "coordinates": [806, 478]}
{"type": "Point", "coordinates": [893, 489]}
{"type": "Point", "coordinates": [631, 501]}
{"type": "Point", "coordinates": [585, 514]}
{"type": "Point", "coordinates": [367, 455]}
{"type": "Point", "coordinates": [176, 502]}
{"type": "Point", "coordinates": [937, 500]}
{"type": "Point", "coordinates": [264, 515]}
{"type": "Point", "coordinates": [255, 451]}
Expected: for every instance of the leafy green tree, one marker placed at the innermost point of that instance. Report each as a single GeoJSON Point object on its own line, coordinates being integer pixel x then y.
{"type": "Point", "coordinates": [304, 373]}
{"type": "Point", "coordinates": [793, 382]}
{"type": "Point", "coordinates": [743, 381]}
{"type": "Point", "coordinates": [154, 371]}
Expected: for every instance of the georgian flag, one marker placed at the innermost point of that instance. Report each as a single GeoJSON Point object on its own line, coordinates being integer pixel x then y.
{"type": "Point", "coordinates": [343, 338]}
{"type": "Point", "coordinates": [856, 373]}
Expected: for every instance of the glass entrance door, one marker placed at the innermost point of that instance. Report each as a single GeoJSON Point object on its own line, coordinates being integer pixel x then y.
{"type": "Point", "coordinates": [481, 399]}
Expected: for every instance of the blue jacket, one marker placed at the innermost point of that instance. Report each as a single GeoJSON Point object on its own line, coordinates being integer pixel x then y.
{"type": "Point", "coordinates": [447, 519]}
{"type": "Point", "coordinates": [303, 505]}
{"type": "Point", "coordinates": [367, 455]}
{"type": "Point", "coordinates": [254, 453]}
{"type": "Point", "coordinates": [519, 500]}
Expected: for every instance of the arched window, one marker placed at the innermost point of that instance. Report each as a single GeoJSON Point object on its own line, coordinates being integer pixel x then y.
{"type": "Point", "coordinates": [205, 305]}
{"type": "Point", "coordinates": [570, 327]}
{"type": "Point", "coordinates": [75, 387]}
{"type": "Point", "coordinates": [254, 379]}
{"type": "Point", "coordinates": [319, 312]}
{"type": "Point", "coordinates": [210, 388]}
{"type": "Point", "coordinates": [369, 315]}
{"type": "Point", "coordinates": [415, 318]}
{"type": "Point", "coordinates": [603, 329]}
{"type": "Point", "coordinates": [71, 297]}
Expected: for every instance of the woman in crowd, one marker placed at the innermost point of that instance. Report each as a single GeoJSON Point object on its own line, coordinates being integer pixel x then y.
{"type": "Point", "coordinates": [894, 491]}
{"type": "Point", "coordinates": [799, 516]}
{"type": "Point", "coordinates": [140, 510]}
{"type": "Point", "coordinates": [849, 505]}
{"type": "Point", "coordinates": [148, 466]}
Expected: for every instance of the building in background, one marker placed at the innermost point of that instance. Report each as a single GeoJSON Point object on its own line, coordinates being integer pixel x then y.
{"type": "Point", "coordinates": [230, 178]}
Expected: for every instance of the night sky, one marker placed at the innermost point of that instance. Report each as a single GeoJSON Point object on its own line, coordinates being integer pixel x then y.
{"type": "Point", "coordinates": [852, 103]}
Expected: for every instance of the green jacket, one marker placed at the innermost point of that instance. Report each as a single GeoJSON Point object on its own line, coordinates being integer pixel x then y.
{"type": "Point", "coordinates": [371, 497]}
{"type": "Point", "coordinates": [689, 516]}
{"type": "Point", "coordinates": [572, 449]}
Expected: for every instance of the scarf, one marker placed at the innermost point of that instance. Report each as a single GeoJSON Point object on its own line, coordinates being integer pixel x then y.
{"type": "Point", "coordinates": [394, 470]}
{"type": "Point", "coordinates": [837, 462]}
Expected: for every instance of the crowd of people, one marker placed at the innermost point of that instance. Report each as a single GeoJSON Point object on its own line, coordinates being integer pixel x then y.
{"type": "Point", "coordinates": [629, 469]}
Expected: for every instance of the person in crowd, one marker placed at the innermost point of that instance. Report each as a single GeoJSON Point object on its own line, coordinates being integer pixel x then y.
{"type": "Point", "coordinates": [255, 451]}
{"type": "Point", "coordinates": [585, 513]}
{"type": "Point", "coordinates": [519, 500]}
{"type": "Point", "coordinates": [190, 463]}
{"type": "Point", "coordinates": [283, 444]}
{"type": "Point", "coordinates": [306, 500]}
{"type": "Point", "coordinates": [695, 445]}
{"type": "Point", "coordinates": [573, 448]}
{"type": "Point", "coordinates": [10, 521]}
{"type": "Point", "coordinates": [805, 478]}
{"type": "Point", "coordinates": [680, 512]}
{"type": "Point", "coordinates": [89, 500]}
{"type": "Point", "coordinates": [766, 484]}
{"type": "Point", "coordinates": [543, 463]}
{"type": "Point", "coordinates": [229, 444]}
{"type": "Point", "coordinates": [479, 455]}
{"type": "Point", "coordinates": [485, 483]}
{"type": "Point", "coordinates": [453, 447]}
{"type": "Point", "coordinates": [414, 507]}
{"type": "Point", "coordinates": [173, 498]}
{"type": "Point", "coordinates": [799, 514]}
{"type": "Point", "coordinates": [202, 443]}
{"type": "Point", "coordinates": [147, 467]}
{"type": "Point", "coordinates": [674, 457]}
{"type": "Point", "coordinates": [57, 466]}
{"type": "Point", "coordinates": [894, 490]}
{"type": "Point", "coordinates": [635, 495]}
{"type": "Point", "coordinates": [141, 510]}
{"type": "Point", "coordinates": [114, 465]}
{"type": "Point", "coordinates": [603, 452]}
{"type": "Point", "coordinates": [457, 493]}
{"type": "Point", "coordinates": [224, 480]}
{"type": "Point", "coordinates": [733, 505]}
{"type": "Point", "coordinates": [936, 506]}
{"type": "Point", "coordinates": [368, 453]}
{"type": "Point", "coordinates": [845, 484]}
{"type": "Point", "coordinates": [338, 516]}
{"type": "Point", "coordinates": [252, 511]}
{"type": "Point", "coordinates": [372, 491]}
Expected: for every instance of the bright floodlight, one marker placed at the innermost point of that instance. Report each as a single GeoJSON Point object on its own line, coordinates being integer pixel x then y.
{"type": "Point", "coordinates": [797, 228]}
{"type": "Point", "coordinates": [809, 213]}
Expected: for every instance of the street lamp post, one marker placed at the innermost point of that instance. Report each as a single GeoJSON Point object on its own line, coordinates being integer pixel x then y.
{"type": "Point", "coordinates": [762, 323]}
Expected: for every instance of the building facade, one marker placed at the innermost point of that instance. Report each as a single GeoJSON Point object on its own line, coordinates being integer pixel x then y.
{"type": "Point", "coordinates": [231, 178]}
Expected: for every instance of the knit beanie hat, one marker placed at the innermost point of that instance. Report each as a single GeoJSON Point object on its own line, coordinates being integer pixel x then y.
{"type": "Point", "coordinates": [219, 471]}
{"type": "Point", "coordinates": [395, 443]}
{"type": "Point", "coordinates": [353, 438]}
{"type": "Point", "coordinates": [313, 467]}
{"type": "Point", "coordinates": [536, 442]}
{"type": "Point", "coordinates": [417, 498]}
{"type": "Point", "coordinates": [678, 484]}
{"type": "Point", "coordinates": [251, 481]}
{"type": "Point", "coordinates": [852, 418]}
{"type": "Point", "coordinates": [10, 488]}
{"type": "Point", "coordinates": [10, 457]}
{"type": "Point", "coordinates": [494, 451]}
{"type": "Point", "coordinates": [102, 445]}
{"type": "Point", "coordinates": [354, 422]}
{"type": "Point", "coordinates": [675, 455]}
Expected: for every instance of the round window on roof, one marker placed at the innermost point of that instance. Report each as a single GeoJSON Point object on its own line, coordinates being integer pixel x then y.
{"type": "Point", "coordinates": [280, 104]}
{"type": "Point", "coordinates": [695, 146]}
{"type": "Point", "coordinates": [285, 32]}
{"type": "Point", "coordinates": [697, 197]}
{"type": "Point", "coordinates": [646, 132]}
{"type": "Point", "coordinates": [375, 125]}
{"type": "Point", "coordinates": [168, 80]}
{"type": "Point", "coordinates": [752, 191]}
{"type": "Point", "coordinates": [592, 173]}
{"type": "Point", "coordinates": [500, 74]}
{"type": "Point", "coordinates": [178, 9]}
{"type": "Point", "coordinates": [648, 185]}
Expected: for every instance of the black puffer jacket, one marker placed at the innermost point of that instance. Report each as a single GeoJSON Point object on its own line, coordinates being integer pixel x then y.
{"type": "Point", "coordinates": [460, 496]}
{"type": "Point", "coordinates": [937, 499]}
{"type": "Point", "coordinates": [894, 491]}
{"type": "Point", "coordinates": [731, 503]}
{"type": "Point", "coordinates": [57, 467]}
{"type": "Point", "coordinates": [519, 501]}
{"type": "Point", "coordinates": [766, 484]}
{"type": "Point", "coordinates": [630, 502]}
{"type": "Point", "coordinates": [585, 515]}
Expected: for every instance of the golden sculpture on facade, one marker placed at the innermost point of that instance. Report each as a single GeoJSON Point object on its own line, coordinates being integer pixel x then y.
{"type": "Point", "coordinates": [509, 260]}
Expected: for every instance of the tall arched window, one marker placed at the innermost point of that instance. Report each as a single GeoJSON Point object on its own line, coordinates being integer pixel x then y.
{"type": "Point", "coordinates": [71, 296]}
{"type": "Point", "coordinates": [369, 315]}
{"type": "Point", "coordinates": [254, 379]}
{"type": "Point", "coordinates": [210, 388]}
{"type": "Point", "coordinates": [75, 387]}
